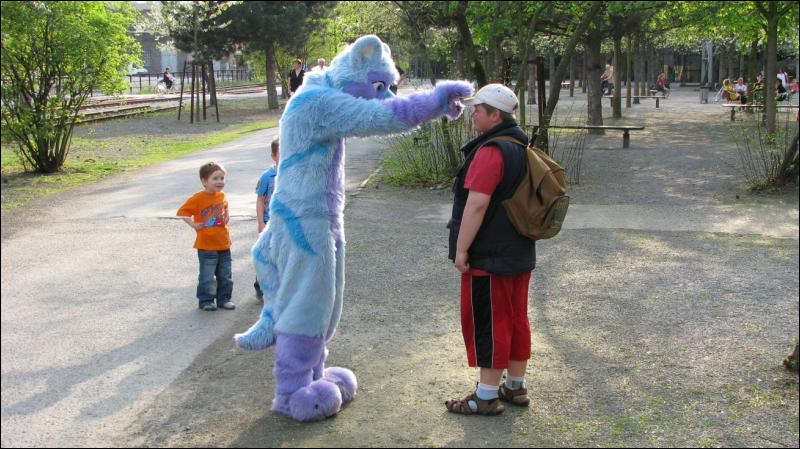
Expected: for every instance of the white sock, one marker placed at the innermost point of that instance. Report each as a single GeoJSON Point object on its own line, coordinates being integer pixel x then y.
{"type": "Point", "coordinates": [515, 383]}
{"type": "Point", "coordinates": [484, 392]}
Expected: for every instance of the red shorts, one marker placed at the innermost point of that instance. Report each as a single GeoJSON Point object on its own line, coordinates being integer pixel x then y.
{"type": "Point", "coordinates": [494, 318]}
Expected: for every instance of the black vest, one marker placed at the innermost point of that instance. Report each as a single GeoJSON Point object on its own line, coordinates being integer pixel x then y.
{"type": "Point", "coordinates": [498, 248]}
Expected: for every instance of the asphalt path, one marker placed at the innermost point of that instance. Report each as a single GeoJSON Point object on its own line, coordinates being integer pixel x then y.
{"type": "Point", "coordinates": [98, 292]}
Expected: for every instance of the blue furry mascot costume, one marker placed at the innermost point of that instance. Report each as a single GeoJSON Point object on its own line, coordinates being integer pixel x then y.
{"type": "Point", "coordinates": [299, 258]}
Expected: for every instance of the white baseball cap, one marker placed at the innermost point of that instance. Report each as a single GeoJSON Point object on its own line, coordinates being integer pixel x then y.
{"type": "Point", "coordinates": [495, 95]}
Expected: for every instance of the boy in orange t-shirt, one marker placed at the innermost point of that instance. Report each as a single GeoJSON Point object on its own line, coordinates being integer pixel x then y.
{"type": "Point", "coordinates": [207, 213]}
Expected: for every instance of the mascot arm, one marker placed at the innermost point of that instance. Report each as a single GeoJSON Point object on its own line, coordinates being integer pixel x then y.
{"type": "Point", "coordinates": [346, 115]}
{"type": "Point", "coordinates": [419, 108]}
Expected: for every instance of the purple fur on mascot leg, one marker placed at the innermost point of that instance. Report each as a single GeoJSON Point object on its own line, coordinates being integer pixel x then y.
{"type": "Point", "coordinates": [298, 359]}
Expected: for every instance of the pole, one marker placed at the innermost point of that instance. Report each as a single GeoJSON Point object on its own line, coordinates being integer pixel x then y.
{"type": "Point", "coordinates": [216, 103]}
{"type": "Point", "coordinates": [191, 111]}
{"type": "Point", "coordinates": [180, 100]}
{"type": "Point", "coordinates": [542, 99]}
{"type": "Point", "coordinates": [203, 83]}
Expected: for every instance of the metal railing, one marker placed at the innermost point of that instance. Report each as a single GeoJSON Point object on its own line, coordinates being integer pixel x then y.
{"type": "Point", "coordinates": [143, 80]}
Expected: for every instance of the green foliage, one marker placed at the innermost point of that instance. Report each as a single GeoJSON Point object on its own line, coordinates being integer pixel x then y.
{"type": "Point", "coordinates": [197, 28]}
{"type": "Point", "coordinates": [422, 158]}
{"type": "Point", "coordinates": [762, 153]}
{"type": "Point", "coordinates": [53, 55]}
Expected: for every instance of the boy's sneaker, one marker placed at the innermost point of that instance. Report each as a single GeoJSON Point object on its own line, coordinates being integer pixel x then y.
{"type": "Point", "coordinates": [209, 307]}
{"type": "Point", "coordinates": [228, 305]}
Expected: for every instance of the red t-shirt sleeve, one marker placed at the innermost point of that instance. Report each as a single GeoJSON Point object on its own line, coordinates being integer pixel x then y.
{"type": "Point", "coordinates": [486, 170]}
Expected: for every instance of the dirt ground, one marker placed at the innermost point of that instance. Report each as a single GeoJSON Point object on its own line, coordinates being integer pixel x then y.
{"type": "Point", "coordinates": [640, 338]}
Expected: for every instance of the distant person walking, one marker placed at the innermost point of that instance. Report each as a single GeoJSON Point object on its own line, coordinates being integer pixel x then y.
{"type": "Point", "coordinates": [320, 64]}
{"type": "Point", "coordinates": [296, 76]}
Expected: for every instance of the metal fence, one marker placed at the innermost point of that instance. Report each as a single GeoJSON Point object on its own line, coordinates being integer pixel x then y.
{"type": "Point", "coordinates": [144, 80]}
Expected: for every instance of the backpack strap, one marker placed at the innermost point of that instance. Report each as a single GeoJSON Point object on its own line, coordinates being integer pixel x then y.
{"type": "Point", "coordinates": [507, 138]}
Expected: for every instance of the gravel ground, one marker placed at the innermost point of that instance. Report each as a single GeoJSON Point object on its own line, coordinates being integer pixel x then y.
{"type": "Point", "coordinates": [640, 338]}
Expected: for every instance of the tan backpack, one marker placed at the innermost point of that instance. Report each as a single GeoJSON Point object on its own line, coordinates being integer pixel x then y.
{"type": "Point", "coordinates": [539, 204]}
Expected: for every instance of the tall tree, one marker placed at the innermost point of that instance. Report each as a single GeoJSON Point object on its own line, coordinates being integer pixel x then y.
{"type": "Point", "coordinates": [774, 15]}
{"type": "Point", "coordinates": [53, 55]}
{"type": "Point", "coordinates": [261, 25]}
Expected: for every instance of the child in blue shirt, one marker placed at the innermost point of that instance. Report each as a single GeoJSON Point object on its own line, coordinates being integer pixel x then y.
{"type": "Point", "coordinates": [264, 189]}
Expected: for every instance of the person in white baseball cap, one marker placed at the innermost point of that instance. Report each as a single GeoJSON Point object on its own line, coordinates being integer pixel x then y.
{"type": "Point", "coordinates": [497, 96]}
{"type": "Point", "coordinates": [495, 261]}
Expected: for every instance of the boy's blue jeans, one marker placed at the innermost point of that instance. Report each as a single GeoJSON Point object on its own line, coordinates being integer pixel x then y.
{"type": "Point", "coordinates": [214, 263]}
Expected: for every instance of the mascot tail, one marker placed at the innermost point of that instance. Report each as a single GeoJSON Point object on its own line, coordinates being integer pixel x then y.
{"type": "Point", "coordinates": [260, 336]}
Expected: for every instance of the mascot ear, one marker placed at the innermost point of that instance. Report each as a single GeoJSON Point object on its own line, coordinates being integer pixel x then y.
{"type": "Point", "coordinates": [366, 49]}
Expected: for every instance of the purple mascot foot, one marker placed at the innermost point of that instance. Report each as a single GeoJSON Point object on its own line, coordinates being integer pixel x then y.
{"type": "Point", "coordinates": [344, 379]}
{"type": "Point", "coordinates": [315, 402]}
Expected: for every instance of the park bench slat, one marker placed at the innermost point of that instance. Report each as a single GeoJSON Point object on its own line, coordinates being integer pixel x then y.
{"type": "Point", "coordinates": [733, 107]}
{"type": "Point", "coordinates": [626, 129]}
{"type": "Point", "coordinates": [657, 97]}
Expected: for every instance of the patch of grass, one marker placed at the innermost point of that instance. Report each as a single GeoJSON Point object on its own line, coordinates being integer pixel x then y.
{"type": "Point", "coordinates": [111, 147]}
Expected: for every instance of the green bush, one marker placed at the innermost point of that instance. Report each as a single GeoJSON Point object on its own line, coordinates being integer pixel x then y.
{"type": "Point", "coordinates": [429, 156]}
{"type": "Point", "coordinates": [762, 153]}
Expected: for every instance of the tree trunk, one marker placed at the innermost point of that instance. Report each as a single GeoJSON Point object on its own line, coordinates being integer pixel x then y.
{"type": "Point", "coordinates": [594, 70]}
{"type": "Point", "coordinates": [646, 68]}
{"type": "Point", "coordinates": [494, 71]}
{"type": "Point", "coordinates": [772, 63]}
{"type": "Point", "coordinates": [752, 63]}
{"type": "Point", "coordinates": [616, 109]}
{"type": "Point", "coordinates": [637, 63]}
{"type": "Point", "coordinates": [460, 18]}
{"type": "Point", "coordinates": [742, 68]}
{"type": "Point", "coordinates": [272, 92]}
{"type": "Point", "coordinates": [551, 69]}
{"type": "Point", "coordinates": [573, 67]}
{"type": "Point", "coordinates": [555, 83]}
{"type": "Point", "coordinates": [462, 73]}
{"type": "Point", "coordinates": [584, 73]}
{"type": "Point", "coordinates": [628, 73]}
{"type": "Point", "coordinates": [531, 78]}
{"type": "Point", "coordinates": [525, 47]}
{"type": "Point", "coordinates": [732, 62]}
{"type": "Point", "coordinates": [212, 85]}
{"type": "Point", "coordinates": [789, 167]}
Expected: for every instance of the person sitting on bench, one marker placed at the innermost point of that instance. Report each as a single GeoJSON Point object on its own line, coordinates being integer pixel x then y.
{"type": "Point", "coordinates": [758, 90]}
{"type": "Point", "coordinates": [661, 85]}
{"type": "Point", "coordinates": [728, 91]}
{"type": "Point", "coordinates": [741, 89]}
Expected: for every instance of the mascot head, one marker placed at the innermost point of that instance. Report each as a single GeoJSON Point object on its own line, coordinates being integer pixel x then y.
{"type": "Point", "coordinates": [364, 69]}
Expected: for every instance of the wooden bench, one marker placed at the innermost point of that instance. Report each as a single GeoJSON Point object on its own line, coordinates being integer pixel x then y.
{"type": "Point", "coordinates": [626, 130]}
{"type": "Point", "coordinates": [565, 84]}
{"type": "Point", "coordinates": [658, 99]}
{"type": "Point", "coordinates": [752, 107]}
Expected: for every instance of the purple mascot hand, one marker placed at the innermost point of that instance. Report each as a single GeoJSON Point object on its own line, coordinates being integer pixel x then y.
{"type": "Point", "coordinates": [453, 91]}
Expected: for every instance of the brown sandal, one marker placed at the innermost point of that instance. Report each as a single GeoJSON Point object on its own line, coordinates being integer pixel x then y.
{"type": "Point", "coordinates": [516, 397]}
{"type": "Point", "coordinates": [493, 407]}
